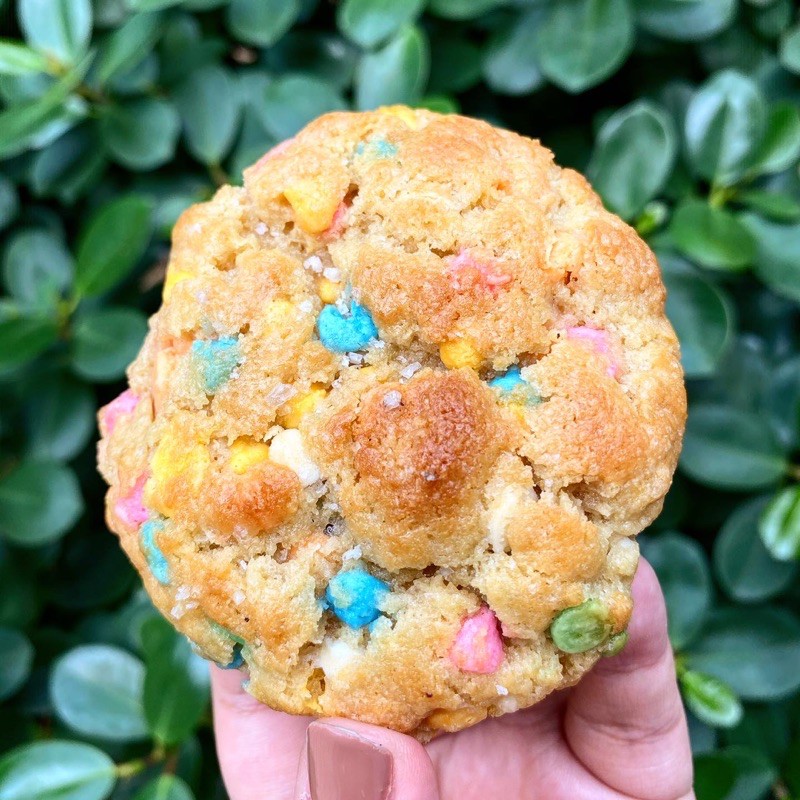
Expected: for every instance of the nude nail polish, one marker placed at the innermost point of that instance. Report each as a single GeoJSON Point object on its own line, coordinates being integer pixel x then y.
{"type": "Point", "coordinates": [342, 765]}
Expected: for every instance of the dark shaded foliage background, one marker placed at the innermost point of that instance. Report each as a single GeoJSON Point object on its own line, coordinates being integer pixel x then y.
{"type": "Point", "coordinates": [117, 114]}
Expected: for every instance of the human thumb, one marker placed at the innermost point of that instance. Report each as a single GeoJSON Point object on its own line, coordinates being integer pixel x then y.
{"type": "Point", "coordinates": [347, 760]}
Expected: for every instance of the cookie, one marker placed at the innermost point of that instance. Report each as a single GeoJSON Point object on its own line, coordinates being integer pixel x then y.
{"type": "Point", "coordinates": [409, 397]}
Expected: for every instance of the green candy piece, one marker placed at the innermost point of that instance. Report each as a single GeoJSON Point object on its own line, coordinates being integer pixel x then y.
{"type": "Point", "coordinates": [580, 628]}
{"type": "Point", "coordinates": [616, 644]}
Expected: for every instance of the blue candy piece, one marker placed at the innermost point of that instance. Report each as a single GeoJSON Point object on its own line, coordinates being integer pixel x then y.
{"type": "Point", "coordinates": [513, 387]}
{"type": "Point", "coordinates": [237, 659]}
{"type": "Point", "coordinates": [156, 560]}
{"type": "Point", "coordinates": [356, 596]}
{"type": "Point", "coordinates": [216, 359]}
{"type": "Point", "coordinates": [344, 334]}
{"type": "Point", "coordinates": [377, 148]}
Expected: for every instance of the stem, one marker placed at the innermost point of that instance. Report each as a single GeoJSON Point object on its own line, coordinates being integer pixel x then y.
{"type": "Point", "coordinates": [218, 175]}
{"type": "Point", "coordinates": [793, 471]}
{"type": "Point", "coordinates": [130, 768]}
{"type": "Point", "coordinates": [720, 195]}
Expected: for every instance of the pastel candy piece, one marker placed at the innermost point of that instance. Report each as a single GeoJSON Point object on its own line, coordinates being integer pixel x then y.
{"type": "Point", "coordinates": [120, 406]}
{"type": "Point", "coordinates": [237, 659]}
{"type": "Point", "coordinates": [344, 334]}
{"type": "Point", "coordinates": [465, 268]}
{"type": "Point", "coordinates": [514, 388]}
{"type": "Point", "coordinates": [279, 148]}
{"type": "Point", "coordinates": [377, 148]}
{"type": "Point", "coordinates": [338, 222]}
{"type": "Point", "coordinates": [600, 340]}
{"type": "Point", "coordinates": [130, 509]}
{"type": "Point", "coordinates": [156, 560]}
{"type": "Point", "coordinates": [216, 359]}
{"type": "Point", "coordinates": [355, 597]}
{"type": "Point", "coordinates": [478, 646]}
{"type": "Point", "coordinates": [313, 205]}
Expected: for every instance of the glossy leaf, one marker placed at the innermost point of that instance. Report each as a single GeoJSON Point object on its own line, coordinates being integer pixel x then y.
{"type": "Point", "coordinates": [165, 787]}
{"type": "Point", "coordinates": [106, 341]}
{"type": "Point", "coordinates": [370, 22]}
{"type": "Point", "coordinates": [582, 42]}
{"type": "Point", "coordinates": [127, 46]}
{"type": "Point", "coordinates": [111, 244]}
{"type": "Point", "coordinates": [396, 73]}
{"type": "Point", "coordinates": [685, 20]}
{"type": "Point", "coordinates": [17, 59]}
{"type": "Point", "coordinates": [511, 63]}
{"type": "Point", "coordinates": [756, 651]}
{"type": "Point", "coordinates": [291, 102]}
{"type": "Point", "coordinates": [23, 338]}
{"type": "Point", "coordinates": [16, 660]}
{"type": "Point", "coordinates": [789, 52]}
{"type": "Point", "coordinates": [462, 9]}
{"type": "Point", "coordinates": [56, 770]}
{"type": "Point", "coordinates": [632, 157]}
{"type": "Point", "coordinates": [777, 254]}
{"type": "Point", "coordinates": [37, 267]}
{"type": "Point", "coordinates": [39, 502]}
{"type": "Point", "coordinates": [745, 568]}
{"type": "Point", "coordinates": [142, 134]}
{"type": "Point", "coordinates": [710, 700]}
{"type": "Point", "coordinates": [779, 525]}
{"type": "Point", "coordinates": [780, 146]}
{"type": "Point", "coordinates": [262, 22]}
{"type": "Point", "coordinates": [59, 28]}
{"type": "Point", "coordinates": [712, 237]}
{"type": "Point", "coordinates": [773, 205]}
{"type": "Point", "coordinates": [731, 449]}
{"type": "Point", "coordinates": [682, 569]}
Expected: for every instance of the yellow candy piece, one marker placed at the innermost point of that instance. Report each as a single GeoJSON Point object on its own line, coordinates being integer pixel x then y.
{"type": "Point", "coordinates": [279, 311]}
{"type": "Point", "coordinates": [404, 113]}
{"type": "Point", "coordinates": [313, 207]}
{"type": "Point", "coordinates": [246, 453]}
{"type": "Point", "coordinates": [459, 353]}
{"type": "Point", "coordinates": [328, 291]}
{"type": "Point", "coordinates": [302, 404]}
{"type": "Point", "coordinates": [174, 276]}
{"type": "Point", "coordinates": [175, 460]}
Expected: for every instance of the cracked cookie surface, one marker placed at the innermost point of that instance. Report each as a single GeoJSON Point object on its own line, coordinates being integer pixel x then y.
{"type": "Point", "coordinates": [409, 397]}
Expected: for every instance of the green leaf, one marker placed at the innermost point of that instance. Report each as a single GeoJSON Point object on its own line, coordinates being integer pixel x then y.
{"type": "Point", "coordinates": [777, 256]}
{"type": "Point", "coordinates": [9, 201]}
{"type": "Point", "coordinates": [20, 124]}
{"type": "Point", "coordinates": [780, 147]}
{"type": "Point", "coordinates": [176, 683]}
{"type": "Point", "coordinates": [633, 157]}
{"type": "Point", "coordinates": [262, 22]}
{"type": "Point", "coordinates": [779, 525]}
{"type": "Point", "coordinates": [16, 660]}
{"type": "Point", "coordinates": [370, 22]}
{"type": "Point", "coordinates": [17, 59]}
{"type": "Point", "coordinates": [754, 774]}
{"type": "Point", "coordinates": [441, 104]}
{"type": "Point", "coordinates": [685, 20]}
{"type": "Point", "coordinates": [685, 578]}
{"type": "Point", "coordinates": [315, 53]}
{"type": "Point", "coordinates": [106, 341]}
{"type": "Point", "coordinates": [775, 205]}
{"type": "Point", "coordinates": [23, 338]}
{"type": "Point", "coordinates": [210, 109]}
{"type": "Point", "coordinates": [97, 691]}
{"type": "Point", "coordinates": [396, 73]}
{"type": "Point", "coordinates": [766, 729]}
{"type": "Point", "coordinates": [456, 65]}
{"type": "Point", "coordinates": [165, 787]}
{"type": "Point", "coordinates": [744, 567]}
{"type": "Point", "coordinates": [127, 46]}
{"type": "Point", "coordinates": [789, 50]}
{"type": "Point", "coordinates": [712, 237]}
{"type": "Point", "coordinates": [60, 28]}
{"type": "Point", "coordinates": [462, 9]}
{"type": "Point", "coordinates": [510, 64]}
{"type": "Point", "coordinates": [111, 244]}
{"type": "Point", "coordinates": [710, 700]}
{"type": "Point", "coordinates": [56, 770]}
{"type": "Point", "coordinates": [714, 776]}
{"type": "Point", "coordinates": [731, 449]}
{"type": "Point", "coordinates": [153, 5]}
{"type": "Point", "coordinates": [583, 42]}
{"type": "Point", "coordinates": [59, 417]}
{"type": "Point", "coordinates": [66, 167]}
{"type": "Point", "coordinates": [724, 126]}
{"type": "Point", "coordinates": [756, 651]}
{"type": "Point", "coordinates": [37, 267]}
{"type": "Point", "coordinates": [39, 502]}
{"type": "Point", "coordinates": [291, 102]}
{"type": "Point", "coordinates": [702, 316]}
{"type": "Point", "coordinates": [142, 134]}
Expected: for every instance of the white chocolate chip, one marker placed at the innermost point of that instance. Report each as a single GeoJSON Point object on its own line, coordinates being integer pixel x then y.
{"type": "Point", "coordinates": [501, 512]}
{"type": "Point", "coordinates": [335, 655]}
{"type": "Point", "coordinates": [392, 398]}
{"type": "Point", "coordinates": [314, 263]}
{"type": "Point", "coordinates": [354, 553]}
{"type": "Point", "coordinates": [408, 371]}
{"type": "Point", "coordinates": [332, 274]}
{"type": "Point", "coordinates": [501, 690]}
{"type": "Point", "coordinates": [287, 448]}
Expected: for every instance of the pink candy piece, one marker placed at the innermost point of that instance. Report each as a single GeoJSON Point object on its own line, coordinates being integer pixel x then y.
{"type": "Point", "coordinates": [131, 509]}
{"type": "Point", "coordinates": [465, 269]}
{"type": "Point", "coordinates": [119, 407]}
{"type": "Point", "coordinates": [601, 342]}
{"type": "Point", "coordinates": [478, 646]}
{"type": "Point", "coordinates": [338, 224]}
{"type": "Point", "coordinates": [275, 151]}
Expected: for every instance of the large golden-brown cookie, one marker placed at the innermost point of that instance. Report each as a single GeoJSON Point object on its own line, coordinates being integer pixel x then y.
{"type": "Point", "coordinates": [409, 397]}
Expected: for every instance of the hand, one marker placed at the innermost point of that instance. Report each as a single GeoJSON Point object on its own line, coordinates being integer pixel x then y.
{"type": "Point", "coordinates": [619, 734]}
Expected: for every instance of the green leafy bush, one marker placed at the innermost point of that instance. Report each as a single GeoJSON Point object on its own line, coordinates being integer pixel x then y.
{"type": "Point", "coordinates": [118, 114]}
